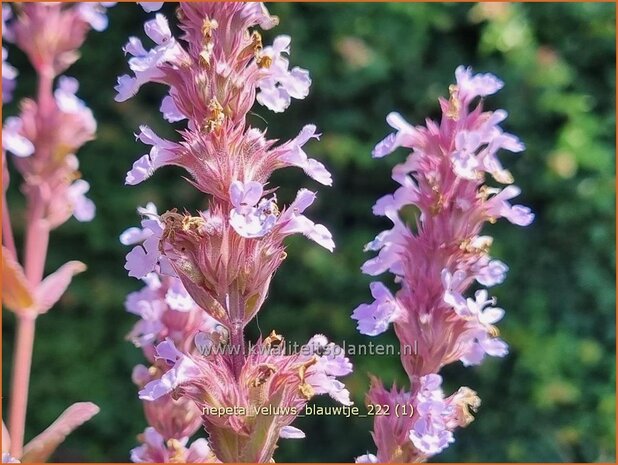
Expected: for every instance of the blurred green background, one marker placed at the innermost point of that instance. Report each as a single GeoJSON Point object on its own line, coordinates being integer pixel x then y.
{"type": "Point", "coordinates": [551, 399]}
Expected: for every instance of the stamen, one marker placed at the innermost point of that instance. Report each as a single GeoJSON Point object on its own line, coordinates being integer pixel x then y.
{"type": "Point", "coordinates": [454, 105]}
{"type": "Point", "coordinates": [216, 118]}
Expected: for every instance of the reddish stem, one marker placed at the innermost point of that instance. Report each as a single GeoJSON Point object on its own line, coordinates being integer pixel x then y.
{"type": "Point", "coordinates": [37, 239]}
{"type": "Point", "coordinates": [21, 378]}
{"type": "Point", "coordinates": [7, 230]}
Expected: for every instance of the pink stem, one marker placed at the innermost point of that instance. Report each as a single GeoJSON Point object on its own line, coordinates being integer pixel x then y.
{"type": "Point", "coordinates": [37, 239]}
{"type": "Point", "coordinates": [237, 337]}
{"type": "Point", "coordinates": [7, 230]}
{"type": "Point", "coordinates": [21, 379]}
{"type": "Point", "coordinates": [45, 92]}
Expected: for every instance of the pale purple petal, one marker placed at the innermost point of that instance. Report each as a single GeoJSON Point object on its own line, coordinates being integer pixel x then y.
{"type": "Point", "coordinates": [470, 86]}
{"type": "Point", "coordinates": [245, 194]}
{"type": "Point", "coordinates": [296, 156]}
{"type": "Point", "coordinates": [291, 432]}
{"type": "Point", "coordinates": [493, 273]}
{"type": "Point", "coordinates": [94, 14]}
{"type": "Point", "coordinates": [170, 111]}
{"type": "Point", "coordinates": [374, 318]}
{"type": "Point", "coordinates": [12, 139]}
{"type": "Point", "coordinates": [430, 438]}
{"type": "Point", "coordinates": [83, 208]}
{"type": "Point", "coordinates": [134, 235]}
{"type": "Point", "coordinates": [142, 170]}
{"type": "Point", "coordinates": [184, 370]}
{"type": "Point", "coordinates": [277, 84]}
{"type": "Point", "coordinates": [316, 232]}
{"type": "Point", "coordinates": [199, 452]}
{"type": "Point", "coordinates": [452, 283]}
{"type": "Point", "coordinates": [178, 298]}
{"type": "Point", "coordinates": [7, 458]}
{"type": "Point", "coordinates": [149, 7]}
{"type": "Point", "coordinates": [499, 207]}
{"type": "Point", "coordinates": [158, 29]}
{"type": "Point", "coordinates": [134, 47]}
{"type": "Point", "coordinates": [404, 136]}
{"type": "Point", "coordinates": [126, 87]}
{"type": "Point", "coordinates": [367, 458]}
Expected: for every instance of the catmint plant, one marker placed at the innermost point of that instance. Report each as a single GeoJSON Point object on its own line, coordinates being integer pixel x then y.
{"type": "Point", "coordinates": [42, 141]}
{"type": "Point", "coordinates": [221, 260]}
{"type": "Point", "coordinates": [438, 263]}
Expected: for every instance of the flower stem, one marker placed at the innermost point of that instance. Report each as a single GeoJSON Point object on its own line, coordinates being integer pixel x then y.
{"type": "Point", "coordinates": [237, 341]}
{"type": "Point", "coordinates": [7, 230]}
{"type": "Point", "coordinates": [37, 239]}
{"type": "Point", "coordinates": [21, 378]}
{"type": "Point", "coordinates": [237, 337]}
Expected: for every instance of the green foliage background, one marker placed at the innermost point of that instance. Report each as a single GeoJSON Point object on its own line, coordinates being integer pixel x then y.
{"type": "Point", "coordinates": [551, 399]}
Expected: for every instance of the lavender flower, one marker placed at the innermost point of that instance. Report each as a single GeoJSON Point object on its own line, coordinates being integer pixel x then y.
{"type": "Point", "coordinates": [438, 262]}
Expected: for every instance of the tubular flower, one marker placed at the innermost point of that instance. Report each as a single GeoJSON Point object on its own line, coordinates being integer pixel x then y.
{"type": "Point", "coordinates": [155, 449]}
{"type": "Point", "coordinates": [436, 264]}
{"type": "Point", "coordinates": [224, 258]}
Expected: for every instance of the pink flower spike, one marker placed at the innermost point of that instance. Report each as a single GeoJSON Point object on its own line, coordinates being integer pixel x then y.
{"type": "Point", "coordinates": [436, 261]}
{"type": "Point", "coordinates": [212, 270]}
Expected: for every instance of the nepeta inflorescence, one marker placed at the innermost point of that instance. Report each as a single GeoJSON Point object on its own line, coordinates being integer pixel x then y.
{"type": "Point", "coordinates": [221, 260]}
{"type": "Point", "coordinates": [44, 139]}
{"type": "Point", "coordinates": [437, 263]}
